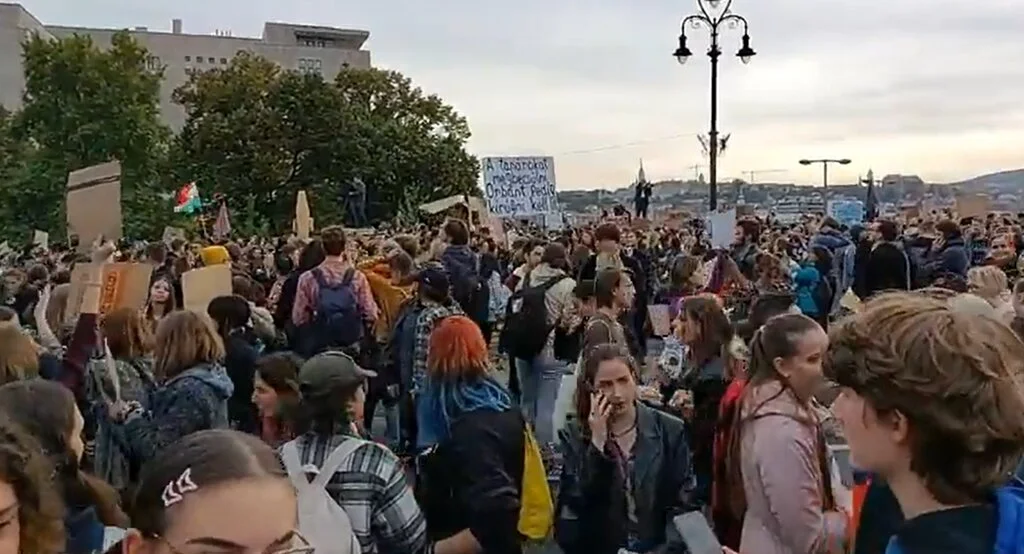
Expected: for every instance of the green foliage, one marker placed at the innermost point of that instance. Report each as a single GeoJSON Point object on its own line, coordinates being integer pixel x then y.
{"type": "Point", "coordinates": [85, 105]}
{"type": "Point", "coordinates": [259, 134]}
{"type": "Point", "coordinates": [255, 133]}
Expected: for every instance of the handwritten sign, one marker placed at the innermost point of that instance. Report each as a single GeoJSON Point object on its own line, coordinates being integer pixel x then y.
{"type": "Point", "coordinates": [519, 186]}
{"type": "Point", "coordinates": [847, 212]}
{"type": "Point", "coordinates": [122, 285]}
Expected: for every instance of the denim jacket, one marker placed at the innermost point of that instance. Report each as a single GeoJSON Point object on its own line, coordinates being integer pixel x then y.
{"type": "Point", "coordinates": [591, 516]}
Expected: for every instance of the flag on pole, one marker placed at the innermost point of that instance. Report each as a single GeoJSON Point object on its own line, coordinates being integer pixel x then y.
{"type": "Point", "coordinates": [188, 199]}
{"type": "Point", "coordinates": [222, 225]}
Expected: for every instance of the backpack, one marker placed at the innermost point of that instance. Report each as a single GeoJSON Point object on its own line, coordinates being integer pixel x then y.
{"type": "Point", "coordinates": [322, 521]}
{"type": "Point", "coordinates": [526, 320]}
{"type": "Point", "coordinates": [337, 321]}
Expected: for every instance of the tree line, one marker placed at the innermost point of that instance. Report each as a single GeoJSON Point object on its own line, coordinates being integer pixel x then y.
{"type": "Point", "coordinates": [255, 134]}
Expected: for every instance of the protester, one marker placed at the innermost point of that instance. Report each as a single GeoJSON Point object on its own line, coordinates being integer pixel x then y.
{"type": "Point", "coordinates": [940, 421]}
{"type": "Point", "coordinates": [276, 395]}
{"type": "Point", "coordinates": [31, 510]}
{"type": "Point", "coordinates": [47, 411]}
{"type": "Point", "coordinates": [193, 389]}
{"type": "Point", "coordinates": [627, 467]}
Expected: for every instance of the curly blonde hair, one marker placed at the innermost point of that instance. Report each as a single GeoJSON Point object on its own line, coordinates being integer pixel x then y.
{"type": "Point", "coordinates": [26, 470]}
{"type": "Point", "coordinates": [957, 378]}
{"type": "Point", "coordinates": [988, 282]}
{"type": "Point", "coordinates": [185, 339]}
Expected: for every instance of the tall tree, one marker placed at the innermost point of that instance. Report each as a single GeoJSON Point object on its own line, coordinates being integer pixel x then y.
{"type": "Point", "coordinates": [85, 105]}
{"type": "Point", "coordinates": [259, 134]}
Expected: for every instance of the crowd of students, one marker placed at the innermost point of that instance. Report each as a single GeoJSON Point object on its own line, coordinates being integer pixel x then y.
{"type": "Point", "coordinates": [256, 426]}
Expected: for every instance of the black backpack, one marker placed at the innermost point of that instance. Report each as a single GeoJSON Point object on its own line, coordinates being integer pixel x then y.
{"type": "Point", "coordinates": [526, 320]}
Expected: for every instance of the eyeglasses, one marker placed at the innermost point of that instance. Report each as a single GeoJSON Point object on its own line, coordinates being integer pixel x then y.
{"type": "Point", "coordinates": [299, 546]}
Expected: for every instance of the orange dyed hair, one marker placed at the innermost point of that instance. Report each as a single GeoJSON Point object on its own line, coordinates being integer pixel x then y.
{"type": "Point", "coordinates": [457, 350]}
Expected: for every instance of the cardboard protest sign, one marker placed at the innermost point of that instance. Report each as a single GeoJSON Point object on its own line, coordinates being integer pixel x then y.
{"type": "Point", "coordinates": [972, 206]}
{"type": "Point", "coordinates": [200, 286]}
{"type": "Point", "coordinates": [723, 228]}
{"type": "Point", "coordinates": [41, 239]}
{"type": "Point", "coordinates": [171, 233]}
{"type": "Point", "coordinates": [661, 321]}
{"type": "Point", "coordinates": [94, 202]}
{"type": "Point", "coordinates": [123, 285]}
{"type": "Point", "coordinates": [303, 225]}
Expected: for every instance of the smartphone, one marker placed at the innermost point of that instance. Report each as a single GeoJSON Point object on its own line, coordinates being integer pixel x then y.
{"type": "Point", "coordinates": [697, 534]}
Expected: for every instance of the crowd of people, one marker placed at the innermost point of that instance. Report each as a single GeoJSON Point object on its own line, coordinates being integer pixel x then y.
{"type": "Point", "coordinates": [818, 388]}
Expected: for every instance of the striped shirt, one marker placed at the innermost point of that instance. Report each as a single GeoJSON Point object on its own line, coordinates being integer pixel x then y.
{"type": "Point", "coordinates": [372, 488]}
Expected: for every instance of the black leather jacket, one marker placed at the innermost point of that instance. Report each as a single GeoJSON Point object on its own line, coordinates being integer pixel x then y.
{"type": "Point", "coordinates": [591, 512]}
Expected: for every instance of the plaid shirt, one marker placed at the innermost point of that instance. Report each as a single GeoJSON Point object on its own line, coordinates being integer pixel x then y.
{"type": "Point", "coordinates": [308, 291]}
{"type": "Point", "coordinates": [428, 318]}
{"type": "Point", "coordinates": [372, 488]}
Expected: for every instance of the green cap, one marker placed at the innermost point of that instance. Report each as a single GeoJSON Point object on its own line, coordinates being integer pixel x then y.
{"type": "Point", "coordinates": [329, 371]}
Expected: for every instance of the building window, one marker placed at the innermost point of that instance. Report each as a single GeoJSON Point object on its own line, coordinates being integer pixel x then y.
{"type": "Point", "coordinates": [188, 58]}
{"type": "Point", "coordinates": [212, 60]}
{"type": "Point", "coordinates": [223, 61]}
{"type": "Point", "coordinates": [314, 43]}
{"type": "Point", "coordinates": [311, 65]}
{"type": "Point", "coordinates": [153, 63]}
{"type": "Point", "coordinates": [199, 59]}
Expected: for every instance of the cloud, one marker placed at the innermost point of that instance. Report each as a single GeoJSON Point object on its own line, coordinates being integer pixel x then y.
{"type": "Point", "coordinates": [912, 86]}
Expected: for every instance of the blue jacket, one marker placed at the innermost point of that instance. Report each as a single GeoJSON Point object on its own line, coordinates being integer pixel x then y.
{"type": "Point", "coordinates": [952, 259]}
{"type": "Point", "coordinates": [194, 400]}
{"type": "Point", "coordinates": [1009, 503]}
{"type": "Point", "coordinates": [806, 280]}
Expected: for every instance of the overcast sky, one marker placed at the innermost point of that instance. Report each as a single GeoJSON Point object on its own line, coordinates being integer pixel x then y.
{"type": "Point", "coordinates": [933, 87]}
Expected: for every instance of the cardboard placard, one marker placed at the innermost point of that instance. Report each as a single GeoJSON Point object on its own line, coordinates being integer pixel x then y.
{"type": "Point", "coordinates": [123, 285]}
{"type": "Point", "coordinates": [41, 239]}
{"type": "Point", "coordinates": [661, 321]}
{"type": "Point", "coordinates": [303, 224]}
{"type": "Point", "coordinates": [200, 286]}
{"type": "Point", "coordinates": [94, 203]}
{"type": "Point", "coordinates": [972, 206]}
{"type": "Point", "coordinates": [171, 233]}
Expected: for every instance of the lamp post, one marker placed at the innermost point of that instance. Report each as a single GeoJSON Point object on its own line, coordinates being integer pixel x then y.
{"type": "Point", "coordinates": [824, 173]}
{"type": "Point", "coordinates": [713, 15]}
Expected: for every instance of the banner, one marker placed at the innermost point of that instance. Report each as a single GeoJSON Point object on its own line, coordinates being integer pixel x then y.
{"type": "Point", "coordinates": [519, 186]}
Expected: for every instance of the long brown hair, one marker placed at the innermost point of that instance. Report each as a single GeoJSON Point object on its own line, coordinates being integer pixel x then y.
{"type": "Point", "coordinates": [128, 334]}
{"type": "Point", "coordinates": [585, 379]}
{"type": "Point", "coordinates": [777, 338]}
{"type": "Point", "coordinates": [185, 339]}
{"type": "Point", "coordinates": [715, 329]}
{"type": "Point", "coordinates": [19, 355]}
{"type": "Point", "coordinates": [46, 410]}
{"type": "Point", "coordinates": [40, 511]}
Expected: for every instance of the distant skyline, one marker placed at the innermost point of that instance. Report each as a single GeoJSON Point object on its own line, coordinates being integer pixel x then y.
{"type": "Point", "coordinates": [916, 86]}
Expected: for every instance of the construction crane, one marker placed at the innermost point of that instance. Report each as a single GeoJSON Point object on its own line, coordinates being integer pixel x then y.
{"type": "Point", "coordinates": [752, 174]}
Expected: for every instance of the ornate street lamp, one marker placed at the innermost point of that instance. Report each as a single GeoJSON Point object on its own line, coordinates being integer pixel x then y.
{"type": "Point", "coordinates": [713, 16]}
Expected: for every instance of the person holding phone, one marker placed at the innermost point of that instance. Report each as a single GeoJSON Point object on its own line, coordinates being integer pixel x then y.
{"type": "Point", "coordinates": [627, 470]}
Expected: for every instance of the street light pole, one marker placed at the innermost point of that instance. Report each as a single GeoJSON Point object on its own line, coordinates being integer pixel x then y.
{"type": "Point", "coordinates": [824, 173]}
{"type": "Point", "coordinates": [712, 17]}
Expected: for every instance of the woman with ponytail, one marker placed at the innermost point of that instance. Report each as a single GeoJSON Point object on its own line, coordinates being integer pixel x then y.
{"type": "Point", "coordinates": [47, 411]}
{"type": "Point", "coordinates": [778, 452]}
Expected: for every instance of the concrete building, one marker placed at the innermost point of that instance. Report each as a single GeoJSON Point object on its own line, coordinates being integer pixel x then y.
{"type": "Point", "coordinates": [310, 48]}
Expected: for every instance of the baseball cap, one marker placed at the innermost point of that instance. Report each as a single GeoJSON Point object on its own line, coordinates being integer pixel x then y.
{"type": "Point", "coordinates": [331, 370]}
{"type": "Point", "coordinates": [434, 276]}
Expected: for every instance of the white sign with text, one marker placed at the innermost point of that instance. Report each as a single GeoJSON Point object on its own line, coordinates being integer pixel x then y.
{"type": "Point", "coordinates": [519, 186]}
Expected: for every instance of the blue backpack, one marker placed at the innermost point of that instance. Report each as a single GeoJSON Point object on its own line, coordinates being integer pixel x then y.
{"type": "Point", "coordinates": [337, 321]}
